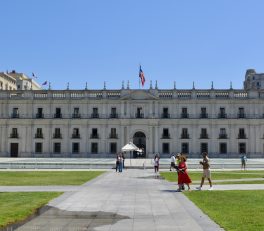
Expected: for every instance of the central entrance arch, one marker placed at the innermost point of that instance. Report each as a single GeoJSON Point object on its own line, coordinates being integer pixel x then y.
{"type": "Point", "coordinates": [139, 139]}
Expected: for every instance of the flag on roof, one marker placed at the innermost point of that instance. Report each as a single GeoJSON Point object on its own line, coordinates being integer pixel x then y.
{"type": "Point", "coordinates": [45, 83]}
{"type": "Point", "coordinates": [141, 76]}
{"type": "Point", "coordinates": [34, 76]}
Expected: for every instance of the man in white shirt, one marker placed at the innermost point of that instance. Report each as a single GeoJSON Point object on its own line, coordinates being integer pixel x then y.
{"type": "Point", "coordinates": [172, 165]}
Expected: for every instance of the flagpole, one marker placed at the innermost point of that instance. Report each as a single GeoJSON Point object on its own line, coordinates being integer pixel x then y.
{"type": "Point", "coordinates": [139, 78]}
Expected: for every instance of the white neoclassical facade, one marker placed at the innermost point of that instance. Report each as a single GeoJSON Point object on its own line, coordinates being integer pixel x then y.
{"type": "Point", "coordinates": [97, 123]}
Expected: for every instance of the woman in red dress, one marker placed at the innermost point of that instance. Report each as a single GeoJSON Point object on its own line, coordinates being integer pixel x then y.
{"type": "Point", "coordinates": [183, 177]}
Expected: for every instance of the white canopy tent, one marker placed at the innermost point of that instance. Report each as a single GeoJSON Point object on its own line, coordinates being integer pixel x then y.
{"type": "Point", "coordinates": [129, 148]}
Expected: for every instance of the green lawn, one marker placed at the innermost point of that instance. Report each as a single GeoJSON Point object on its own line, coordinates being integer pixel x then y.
{"type": "Point", "coordinates": [233, 210]}
{"type": "Point", "coordinates": [19, 178]}
{"type": "Point", "coordinates": [218, 175]}
{"type": "Point", "coordinates": [16, 207]}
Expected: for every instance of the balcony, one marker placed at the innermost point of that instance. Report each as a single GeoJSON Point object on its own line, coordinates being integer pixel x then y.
{"type": "Point", "coordinates": [242, 136]}
{"type": "Point", "coordinates": [185, 136]}
{"type": "Point", "coordinates": [222, 136]}
{"type": "Point", "coordinates": [13, 135]}
{"type": "Point", "coordinates": [39, 115]}
{"type": "Point", "coordinates": [39, 135]}
{"type": "Point", "coordinates": [15, 115]}
{"type": "Point", "coordinates": [113, 115]}
{"type": "Point", "coordinates": [94, 115]}
{"type": "Point", "coordinates": [76, 116]}
{"type": "Point", "coordinates": [241, 115]}
{"type": "Point", "coordinates": [204, 115]}
{"type": "Point", "coordinates": [57, 115]}
{"type": "Point", "coordinates": [94, 136]}
{"type": "Point", "coordinates": [165, 136]}
{"type": "Point", "coordinates": [222, 116]}
{"type": "Point", "coordinates": [57, 136]}
{"type": "Point", "coordinates": [165, 115]}
{"type": "Point", "coordinates": [113, 136]}
{"type": "Point", "coordinates": [203, 136]}
{"type": "Point", "coordinates": [76, 136]}
{"type": "Point", "coordinates": [139, 115]}
{"type": "Point", "coordinates": [184, 115]}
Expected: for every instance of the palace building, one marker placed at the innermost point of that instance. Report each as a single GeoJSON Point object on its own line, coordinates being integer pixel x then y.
{"type": "Point", "coordinates": [97, 123]}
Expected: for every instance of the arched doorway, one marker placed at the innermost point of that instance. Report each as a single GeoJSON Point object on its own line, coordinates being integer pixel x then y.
{"type": "Point", "coordinates": [139, 139]}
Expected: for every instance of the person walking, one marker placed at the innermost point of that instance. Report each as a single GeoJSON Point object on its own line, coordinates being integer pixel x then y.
{"type": "Point", "coordinates": [123, 157]}
{"type": "Point", "coordinates": [206, 171]}
{"type": "Point", "coordinates": [120, 163]}
{"type": "Point", "coordinates": [156, 164]}
{"type": "Point", "coordinates": [172, 165]}
{"type": "Point", "coordinates": [183, 176]}
{"type": "Point", "coordinates": [117, 162]}
{"type": "Point", "coordinates": [243, 161]}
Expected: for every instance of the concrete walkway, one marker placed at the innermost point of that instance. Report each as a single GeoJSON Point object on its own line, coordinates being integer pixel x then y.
{"type": "Point", "coordinates": [132, 200]}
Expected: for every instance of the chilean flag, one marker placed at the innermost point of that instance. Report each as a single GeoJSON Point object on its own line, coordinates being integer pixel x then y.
{"type": "Point", "coordinates": [141, 76]}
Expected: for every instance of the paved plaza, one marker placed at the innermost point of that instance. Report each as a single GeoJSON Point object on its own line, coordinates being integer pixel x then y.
{"type": "Point", "coordinates": [132, 200]}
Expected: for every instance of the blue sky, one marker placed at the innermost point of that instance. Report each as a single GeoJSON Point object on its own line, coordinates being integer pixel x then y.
{"type": "Point", "coordinates": [80, 41]}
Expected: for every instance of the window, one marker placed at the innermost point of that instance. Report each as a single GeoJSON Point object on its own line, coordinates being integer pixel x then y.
{"type": "Point", "coordinates": [57, 148]}
{"type": "Point", "coordinates": [58, 113]}
{"type": "Point", "coordinates": [94, 148]}
{"type": "Point", "coordinates": [222, 148]}
{"type": "Point", "coordinates": [222, 134]}
{"type": "Point", "coordinates": [203, 112]}
{"type": "Point", "coordinates": [242, 148]}
{"type": "Point", "coordinates": [165, 134]}
{"type": "Point", "coordinates": [76, 113]}
{"type": "Point", "coordinates": [204, 134]}
{"type": "Point", "coordinates": [14, 133]}
{"type": "Point", "coordinates": [15, 113]}
{"type": "Point", "coordinates": [185, 148]}
{"type": "Point", "coordinates": [241, 112]}
{"type": "Point", "coordinates": [113, 134]}
{"type": "Point", "coordinates": [165, 148]}
{"type": "Point", "coordinates": [75, 133]}
{"type": "Point", "coordinates": [94, 133]}
{"type": "Point", "coordinates": [204, 147]}
{"type": "Point", "coordinates": [113, 147]}
{"type": "Point", "coordinates": [39, 113]}
{"type": "Point", "coordinates": [241, 133]}
{"type": "Point", "coordinates": [38, 147]}
{"type": "Point", "coordinates": [57, 133]}
{"type": "Point", "coordinates": [139, 113]}
{"type": "Point", "coordinates": [39, 133]}
{"type": "Point", "coordinates": [113, 113]}
{"type": "Point", "coordinates": [222, 113]}
{"type": "Point", "coordinates": [184, 113]}
{"type": "Point", "coordinates": [95, 113]}
{"type": "Point", "coordinates": [75, 147]}
{"type": "Point", "coordinates": [185, 134]}
{"type": "Point", "coordinates": [165, 113]}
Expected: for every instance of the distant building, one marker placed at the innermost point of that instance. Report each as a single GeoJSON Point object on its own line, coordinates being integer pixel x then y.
{"type": "Point", "coordinates": [7, 82]}
{"type": "Point", "coordinates": [98, 123]}
{"type": "Point", "coordinates": [23, 82]}
{"type": "Point", "coordinates": [253, 80]}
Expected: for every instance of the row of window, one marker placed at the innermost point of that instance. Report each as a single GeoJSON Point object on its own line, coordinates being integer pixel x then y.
{"type": "Point", "coordinates": [75, 147]}
{"type": "Point", "coordinates": [204, 148]}
{"type": "Point", "coordinates": [113, 134]}
{"type": "Point", "coordinates": [139, 113]}
{"type": "Point", "coordinates": [165, 147]}
{"type": "Point", "coordinates": [58, 135]}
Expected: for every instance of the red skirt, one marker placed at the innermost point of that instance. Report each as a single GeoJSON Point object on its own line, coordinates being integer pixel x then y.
{"type": "Point", "coordinates": [183, 178]}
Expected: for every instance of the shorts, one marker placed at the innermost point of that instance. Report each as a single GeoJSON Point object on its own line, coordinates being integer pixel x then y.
{"type": "Point", "coordinates": [173, 165]}
{"type": "Point", "coordinates": [207, 173]}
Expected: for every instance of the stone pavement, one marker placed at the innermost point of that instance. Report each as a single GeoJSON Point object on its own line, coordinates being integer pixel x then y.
{"type": "Point", "coordinates": [132, 200]}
